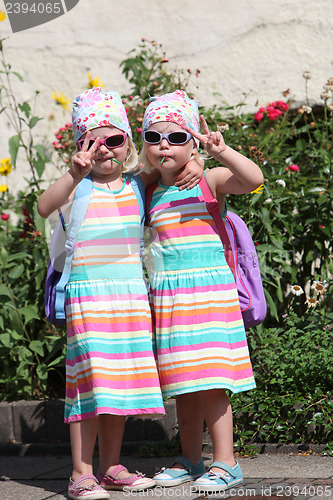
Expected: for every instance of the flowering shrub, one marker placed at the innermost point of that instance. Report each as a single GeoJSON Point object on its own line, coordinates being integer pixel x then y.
{"type": "Point", "coordinates": [290, 219]}
{"type": "Point", "coordinates": [292, 363]}
{"type": "Point", "coordinates": [273, 111]}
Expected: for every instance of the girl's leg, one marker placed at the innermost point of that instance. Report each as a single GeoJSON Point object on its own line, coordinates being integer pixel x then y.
{"type": "Point", "coordinates": [190, 422]}
{"type": "Point", "coordinates": [83, 438]}
{"type": "Point", "coordinates": [218, 415]}
{"type": "Point", "coordinates": [110, 438]}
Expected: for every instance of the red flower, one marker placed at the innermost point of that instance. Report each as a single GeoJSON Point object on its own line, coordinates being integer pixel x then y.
{"type": "Point", "coordinates": [4, 216]}
{"type": "Point", "coordinates": [273, 111]}
{"type": "Point", "coordinates": [273, 115]}
{"type": "Point", "coordinates": [293, 168]}
{"type": "Point", "coordinates": [258, 116]}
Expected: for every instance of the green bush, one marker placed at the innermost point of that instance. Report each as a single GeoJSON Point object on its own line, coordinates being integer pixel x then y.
{"type": "Point", "coordinates": [291, 222]}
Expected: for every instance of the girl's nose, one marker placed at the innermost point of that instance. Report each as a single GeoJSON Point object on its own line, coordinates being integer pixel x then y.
{"type": "Point", "coordinates": [102, 148]}
{"type": "Point", "coordinates": [164, 143]}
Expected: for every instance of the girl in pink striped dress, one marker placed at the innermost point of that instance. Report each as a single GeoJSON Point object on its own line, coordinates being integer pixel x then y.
{"type": "Point", "coordinates": [200, 337]}
{"type": "Point", "coordinates": [110, 367]}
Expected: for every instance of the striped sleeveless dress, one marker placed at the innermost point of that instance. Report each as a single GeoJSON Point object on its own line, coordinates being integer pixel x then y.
{"type": "Point", "coordinates": [200, 338]}
{"type": "Point", "coordinates": [110, 365]}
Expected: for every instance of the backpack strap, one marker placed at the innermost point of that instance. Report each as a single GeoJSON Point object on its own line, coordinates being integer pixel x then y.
{"type": "Point", "coordinates": [139, 191]}
{"type": "Point", "coordinates": [214, 210]}
{"type": "Point", "coordinates": [76, 218]}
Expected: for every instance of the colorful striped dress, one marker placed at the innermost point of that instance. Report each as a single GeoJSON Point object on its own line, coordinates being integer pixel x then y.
{"type": "Point", "coordinates": [110, 365]}
{"type": "Point", "coordinates": [200, 338]}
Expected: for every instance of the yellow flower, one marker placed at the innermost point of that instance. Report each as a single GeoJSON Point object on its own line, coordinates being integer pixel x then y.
{"type": "Point", "coordinates": [5, 166]}
{"type": "Point", "coordinates": [94, 82]}
{"type": "Point", "coordinates": [61, 99]}
{"type": "Point", "coordinates": [259, 189]}
{"type": "Point", "coordinates": [3, 188]}
{"type": "Point", "coordinates": [2, 15]}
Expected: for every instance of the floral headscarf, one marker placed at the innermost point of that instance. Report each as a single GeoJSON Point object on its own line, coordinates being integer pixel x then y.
{"type": "Point", "coordinates": [93, 109]}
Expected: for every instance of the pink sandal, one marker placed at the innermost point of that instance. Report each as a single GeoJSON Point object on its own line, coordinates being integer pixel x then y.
{"type": "Point", "coordinates": [91, 492]}
{"type": "Point", "coordinates": [135, 482]}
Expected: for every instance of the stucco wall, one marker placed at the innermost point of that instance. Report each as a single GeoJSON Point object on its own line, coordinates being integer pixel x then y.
{"type": "Point", "coordinates": [259, 48]}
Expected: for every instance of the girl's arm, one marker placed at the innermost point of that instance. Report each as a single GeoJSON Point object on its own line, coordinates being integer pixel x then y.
{"type": "Point", "coordinates": [62, 191]}
{"type": "Point", "coordinates": [241, 174]}
{"type": "Point", "coordinates": [186, 179]}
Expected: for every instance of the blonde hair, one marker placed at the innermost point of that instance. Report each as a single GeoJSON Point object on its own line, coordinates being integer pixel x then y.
{"type": "Point", "coordinates": [132, 161]}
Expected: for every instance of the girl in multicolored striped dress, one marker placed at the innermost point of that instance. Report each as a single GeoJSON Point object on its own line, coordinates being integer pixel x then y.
{"type": "Point", "coordinates": [200, 337]}
{"type": "Point", "coordinates": [110, 367]}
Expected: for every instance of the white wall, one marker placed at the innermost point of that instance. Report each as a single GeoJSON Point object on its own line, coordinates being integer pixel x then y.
{"type": "Point", "coordinates": [259, 48]}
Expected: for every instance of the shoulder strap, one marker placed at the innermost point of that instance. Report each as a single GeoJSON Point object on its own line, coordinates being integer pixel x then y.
{"type": "Point", "coordinates": [149, 195]}
{"type": "Point", "coordinates": [214, 210]}
{"type": "Point", "coordinates": [139, 190]}
{"type": "Point", "coordinates": [76, 218]}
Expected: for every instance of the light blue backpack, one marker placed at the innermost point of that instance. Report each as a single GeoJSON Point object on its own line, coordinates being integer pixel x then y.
{"type": "Point", "coordinates": [62, 246]}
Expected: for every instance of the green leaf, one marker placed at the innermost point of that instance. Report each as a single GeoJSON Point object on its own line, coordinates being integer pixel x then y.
{"type": "Point", "coordinates": [42, 372]}
{"type": "Point", "coordinates": [18, 76]}
{"type": "Point", "coordinates": [6, 340]}
{"type": "Point", "coordinates": [271, 305]}
{"type": "Point", "coordinates": [34, 120]}
{"type": "Point", "coordinates": [5, 291]}
{"type": "Point", "coordinates": [37, 347]}
{"type": "Point", "coordinates": [25, 108]}
{"type": "Point", "coordinates": [14, 144]}
{"type": "Point", "coordinates": [29, 313]}
{"type": "Point", "coordinates": [16, 272]}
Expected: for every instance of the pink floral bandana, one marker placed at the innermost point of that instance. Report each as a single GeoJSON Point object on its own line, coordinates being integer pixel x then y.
{"type": "Point", "coordinates": [93, 109]}
{"type": "Point", "coordinates": [175, 107]}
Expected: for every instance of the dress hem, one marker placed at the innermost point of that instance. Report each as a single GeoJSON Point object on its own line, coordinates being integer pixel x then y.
{"type": "Point", "coordinates": [153, 413]}
{"type": "Point", "coordinates": [168, 394]}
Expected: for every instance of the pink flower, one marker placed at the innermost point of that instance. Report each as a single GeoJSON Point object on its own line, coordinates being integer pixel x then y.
{"type": "Point", "coordinates": [259, 116]}
{"type": "Point", "coordinates": [59, 136]}
{"type": "Point", "coordinates": [4, 216]}
{"type": "Point", "coordinates": [273, 115]}
{"type": "Point", "coordinates": [293, 168]}
{"type": "Point", "coordinates": [139, 130]}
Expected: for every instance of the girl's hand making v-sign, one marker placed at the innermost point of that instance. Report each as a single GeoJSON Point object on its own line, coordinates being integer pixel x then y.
{"type": "Point", "coordinates": [82, 161]}
{"type": "Point", "coordinates": [241, 174]}
{"type": "Point", "coordinates": [213, 142]}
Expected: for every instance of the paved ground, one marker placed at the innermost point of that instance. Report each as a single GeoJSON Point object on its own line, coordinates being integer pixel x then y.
{"type": "Point", "coordinates": [272, 477]}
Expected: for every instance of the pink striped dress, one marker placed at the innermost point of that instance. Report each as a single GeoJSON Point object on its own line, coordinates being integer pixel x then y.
{"type": "Point", "coordinates": [110, 365]}
{"type": "Point", "coordinates": [200, 337]}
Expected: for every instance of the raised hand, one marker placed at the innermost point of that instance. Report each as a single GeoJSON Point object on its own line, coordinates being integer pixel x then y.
{"type": "Point", "coordinates": [82, 161]}
{"type": "Point", "coordinates": [213, 142]}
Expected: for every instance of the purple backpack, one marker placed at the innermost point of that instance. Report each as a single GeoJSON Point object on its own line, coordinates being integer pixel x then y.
{"type": "Point", "coordinates": [242, 259]}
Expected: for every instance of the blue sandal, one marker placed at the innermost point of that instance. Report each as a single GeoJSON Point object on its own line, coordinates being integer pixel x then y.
{"type": "Point", "coordinates": [219, 481]}
{"type": "Point", "coordinates": [173, 477]}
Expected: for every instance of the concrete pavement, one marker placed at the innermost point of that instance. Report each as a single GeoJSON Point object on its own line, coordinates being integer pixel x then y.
{"type": "Point", "coordinates": [267, 476]}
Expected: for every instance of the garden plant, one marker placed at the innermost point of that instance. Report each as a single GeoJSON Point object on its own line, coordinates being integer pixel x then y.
{"type": "Point", "coordinates": [289, 217]}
